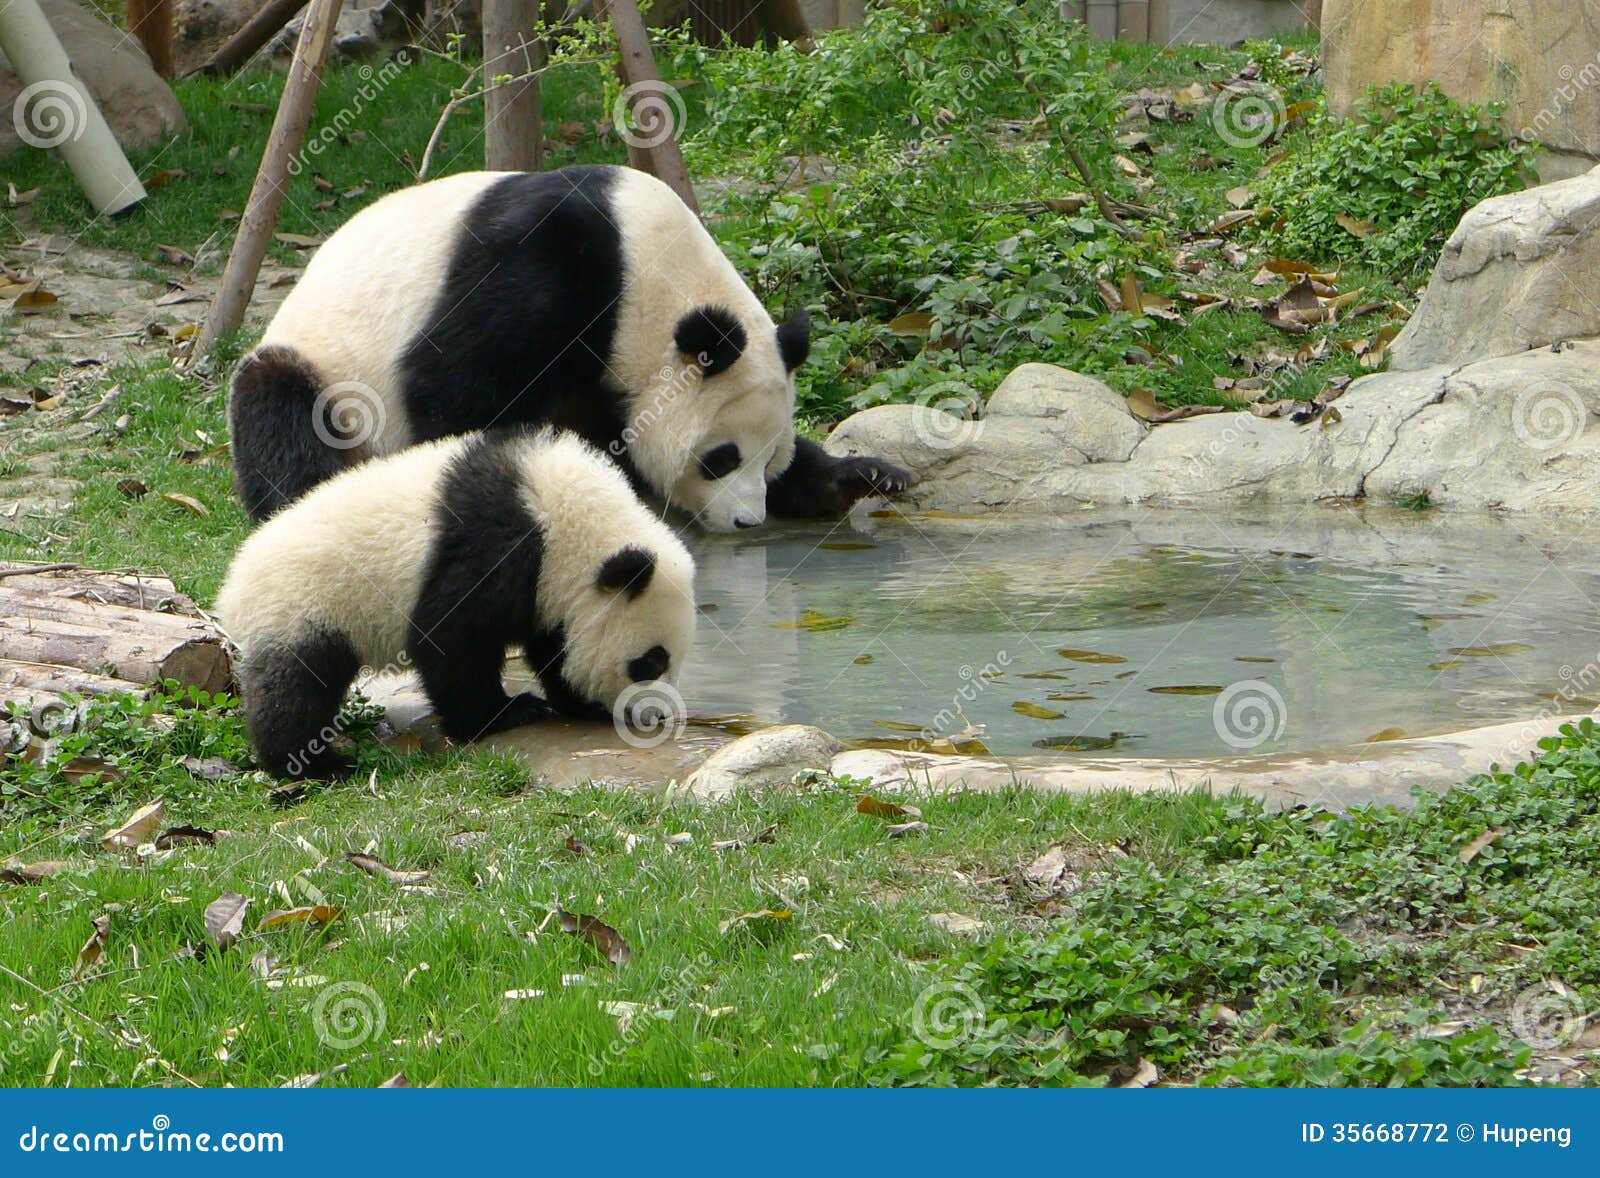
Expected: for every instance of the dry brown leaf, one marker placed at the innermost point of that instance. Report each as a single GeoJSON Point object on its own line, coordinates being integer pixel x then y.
{"type": "Point", "coordinates": [175, 255]}
{"type": "Point", "coordinates": [209, 768]}
{"type": "Point", "coordinates": [1362, 229]}
{"type": "Point", "coordinates": [1477, 846]}
{"type": "Point", "coordinates": [598, 933]}
{"type": "Point", "coordinates": [81, 767]}
{"type": "Point", "coordinates": [398, 1080]}
{"type": "Point", "coordinates": [224, 918]}
{"type": "Point", "coordinates": [186, 501]}
{"type": "Point", "coordinates": [1239, 197]}
{"type": "Point", "coordinates": [1230, 220]}
{"type": "Point", "coordinates": [766, 834]}
{"type": "Point", "coordinates": [178, 835]}
{"type": "Point", "coordinates": [957, 923]}
{"type": "Point", "coordinates": [95, 947]}
{"type": "Point", "coordinates": [298, 240]}
{"type": "Point", "coordinates": [140, 828]}
{"type": "Point", "coordinates": [311, 914]}
{"type": "Point", "coordinates": [867, 804]}
{"type": "Point", "coordinates": [375, 866]}
{"type": "Point", "coordinates": [907, 829]}
{"type": "Point", "coordinates": [917, 323]}
{"type": "Point", "coordinates": [1143, 1076]}
{"type": "Point", "coordinates": [32, 873]}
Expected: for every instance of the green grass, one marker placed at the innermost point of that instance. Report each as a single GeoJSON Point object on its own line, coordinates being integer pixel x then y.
{"type": "Point", "coordinates": [1359, 950]}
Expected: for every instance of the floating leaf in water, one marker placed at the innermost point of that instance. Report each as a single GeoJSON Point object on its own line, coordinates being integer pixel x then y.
{"type": "Point", "coordinates": [862, 660]}
{"type": "Point", "coordinates": [1089, 656]}
{"type": "Point", "coordinates": [1478, 599]}
{"type": "Point", "coordinates": [1084, 743]}
{"type": "Point", "coordinates": [737, 723]}
{"type": "Point", "coordinates": [1387, 734]}
{"type": "Point", "coordinates": [1250, 658]}
{"type": "Point", "coordinates": [816, 622]}
{"type": "Point", "coordinates": [1045, 675]}
{"type": "Point", "coordinates": [1149, 605]}
{"type": "Point", "coordinates": [1068, 697]}
{"type": "Point", "coordinates": [898, 726]}
{"type": "Point", "coordinates": [1188, 689]}
{"type": "Point", "coordinates": [1033, 711]}
{"type": "Point", "coordinates": [1493, 651]}
{"type": "Point", "coordinates": [1446, 664]}
{"type": "Point", "coordinates": [846, 546]}
{"type": "Point", "coordinates": [1432, 622]}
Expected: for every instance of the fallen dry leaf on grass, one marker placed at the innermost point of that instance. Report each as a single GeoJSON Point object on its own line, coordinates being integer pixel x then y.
{"type": "Point", "coordinates": [1478, 845]}
{"type": "Point", "coordinates": [95, 947]}
{"type": "Point", "coordinates": [867, 804]}
{"type": "Point", "coordinates": [907, 829]}
{"type": "Point", "coordinates": [311, 914]}
{"type": "Point", "coordinates": [178, 835]}
{"type": "Point", "coordinates": [224, 918]}
{"type": "Point", "coordinates": [598, 933]}
{"type": "Point", "coordinates": [32, 873]}
{"type": "Point", "coordinates": [141, 828]}
{"type": "Point", "coordinates": [187, 502]}
{"type": "Point", "coordinates": [766, 834]}
{"type": "Point", "coordinates": [375, 866]}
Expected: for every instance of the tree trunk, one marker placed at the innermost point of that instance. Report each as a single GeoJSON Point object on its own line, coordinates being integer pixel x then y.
{"type": "Point", "coordinates": [151, 22]}
{"type": "Point", "coordinates": [138, 645]}
{"type": "Point", "coordinates": [513, 136]}
{"type": "Point", "coordinates": [656, 151]}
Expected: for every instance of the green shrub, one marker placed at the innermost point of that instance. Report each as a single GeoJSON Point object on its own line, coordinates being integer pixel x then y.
{"type": "Point", "coordinates": [1403, 170]}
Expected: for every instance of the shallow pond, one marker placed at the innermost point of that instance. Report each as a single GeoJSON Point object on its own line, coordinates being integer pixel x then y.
{"type": "Point", "coordinates": [1156, 633]}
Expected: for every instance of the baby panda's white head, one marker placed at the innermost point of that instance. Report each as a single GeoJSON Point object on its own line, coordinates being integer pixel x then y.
{"type": "Point", "coordinates": [720, 423]}
{"type": "Point", "coordinates": [616, 584]}
{"type": "Point", "coordinates": [630, 631]}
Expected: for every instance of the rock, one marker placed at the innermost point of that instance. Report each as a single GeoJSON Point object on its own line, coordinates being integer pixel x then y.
{"type": "Point", "coordinates": [766, 759]}
{"type": "Point", "coordinates": [1513, 276]}
{"type": "Point", "coordinates": [1515, 432]}
{"type": "Point", "coordinates": [138, 106]}
{"type": "Point", "coordinates": [1040, 420]}
{"type": "Point", "coordinates": [363, 29]}
{"type": "Point", "coordinates": [1086, 412]}
{"type": "Point", "coordinates": [881, 769]}
{"type": "Point", "coordinates": [1541, 60]}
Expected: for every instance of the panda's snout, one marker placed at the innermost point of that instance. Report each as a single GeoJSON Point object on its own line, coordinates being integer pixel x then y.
{"type": "Point", "coordinates": [745, 522]}
{"type": "Point", "coordinates": [651, 665]}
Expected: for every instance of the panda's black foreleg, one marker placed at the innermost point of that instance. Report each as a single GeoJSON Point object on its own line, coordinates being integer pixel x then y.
{"type": "Point", "coordinates": [460, 667]}
{"type": "Point", "coordinates": [292, 693]}
{"type": "Point", "coordinates": [818, 485]}
{"type": "Point", "coordinates": [280, 451]}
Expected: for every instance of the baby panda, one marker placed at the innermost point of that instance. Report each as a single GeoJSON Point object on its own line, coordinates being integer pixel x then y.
{"type": "Point", "coordinates": [440, 557]}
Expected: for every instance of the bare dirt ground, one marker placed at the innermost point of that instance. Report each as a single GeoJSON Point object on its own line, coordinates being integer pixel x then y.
{"type": "Point", "coordinates": [100, 311]}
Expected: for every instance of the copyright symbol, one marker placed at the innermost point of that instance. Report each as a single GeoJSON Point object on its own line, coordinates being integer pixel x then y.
{"type": "Point", "coordinates": [1463, 1132]}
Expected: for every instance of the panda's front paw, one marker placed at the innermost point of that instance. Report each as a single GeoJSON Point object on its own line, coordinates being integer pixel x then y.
{"type": "Point", "coordinates": [519, 711]}
{"type": "Point", "coordinates": [874, 476]}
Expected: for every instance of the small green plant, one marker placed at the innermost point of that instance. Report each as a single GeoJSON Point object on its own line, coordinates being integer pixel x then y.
{"type": "Point", "coordinates": [1387, 186]}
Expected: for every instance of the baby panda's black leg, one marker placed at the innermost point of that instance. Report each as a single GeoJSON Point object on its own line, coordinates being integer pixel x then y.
{"type": "Point", "coordinates": [292, 693]}
{"type": "Point", "coordinates": [460, 667]}
{"type": "Point", "coordinates": [817, 485]}
{"type": "Point", "coordinates": [277, 452]}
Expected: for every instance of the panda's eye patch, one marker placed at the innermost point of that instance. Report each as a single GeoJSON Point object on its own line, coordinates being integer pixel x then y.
{"type": "Point", "coordinates": [720, 461]}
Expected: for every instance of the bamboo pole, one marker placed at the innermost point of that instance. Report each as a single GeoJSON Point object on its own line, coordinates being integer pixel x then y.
{"type": "Point", "coordinates": [272, 178]}
{"type": "Point", "coordinates": [513, 133]}
{"type": "Point", "coordinates": [58, 110]}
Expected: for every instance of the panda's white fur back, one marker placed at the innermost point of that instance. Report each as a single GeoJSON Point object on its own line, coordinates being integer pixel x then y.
{"type": "Point", "coordinates": [350, 555]}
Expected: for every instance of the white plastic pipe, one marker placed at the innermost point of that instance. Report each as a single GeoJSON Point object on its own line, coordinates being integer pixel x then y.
{"type": "Point", "coordinates": [54, 110]}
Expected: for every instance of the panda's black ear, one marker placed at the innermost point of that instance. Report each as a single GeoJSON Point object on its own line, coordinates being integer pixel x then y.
{"type": "Point", "coordinates": [627, 569]}
{"type": "Point", "coordinates": [712, 337]}
{"type": "Point", "coordinates": [794, 339]}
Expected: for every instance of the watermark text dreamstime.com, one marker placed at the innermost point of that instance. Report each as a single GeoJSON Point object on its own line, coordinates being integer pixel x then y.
{"type": "Point", "coordinates": [374, 83]}
{"type": "Point", "coordinates": [159, 1138]}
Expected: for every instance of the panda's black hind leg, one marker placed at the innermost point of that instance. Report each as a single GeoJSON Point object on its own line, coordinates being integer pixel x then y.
{"type": "Point", "coordinates": [292, 693]}
{"type": "Point", "coordinates": [278, 453]}
{"type": "Point", "coordinates": [817, 485]}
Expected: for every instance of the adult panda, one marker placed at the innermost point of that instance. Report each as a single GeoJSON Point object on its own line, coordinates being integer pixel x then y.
{"type": "Point", "coordinates": [440, 558]}
{"type": "Point", "coordinates": [589, 298]}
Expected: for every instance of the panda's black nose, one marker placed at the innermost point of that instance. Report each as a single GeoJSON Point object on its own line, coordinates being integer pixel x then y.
{"type": "Point", "coordinates": [746, 523]}
{"type": "Point", "coordinates": [652, 664]}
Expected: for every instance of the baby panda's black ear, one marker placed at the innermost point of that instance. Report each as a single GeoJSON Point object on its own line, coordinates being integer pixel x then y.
{"type": "Point", "coordinates": [628, 569]}
{"type": "Point", "coordinates": [712, 337]}
{"type": "Point", "coordinates": [794, 340]}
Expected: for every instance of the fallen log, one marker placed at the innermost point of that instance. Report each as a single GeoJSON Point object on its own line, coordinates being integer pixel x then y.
{"type": "Point", "coordinates": [141, 646]}
{"type": "Point", "coordinates": [130, 590]}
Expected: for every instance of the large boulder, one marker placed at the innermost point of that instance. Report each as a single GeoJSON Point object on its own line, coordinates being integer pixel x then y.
{"type": "Point", "coordinates": [1539, 57]}
{"type": "Point", "coordinates": [1518, 273]}
{"type": "Point", "coordinates": [766, 759]}
{"type": "Point", "coordinates": [139, 107]}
